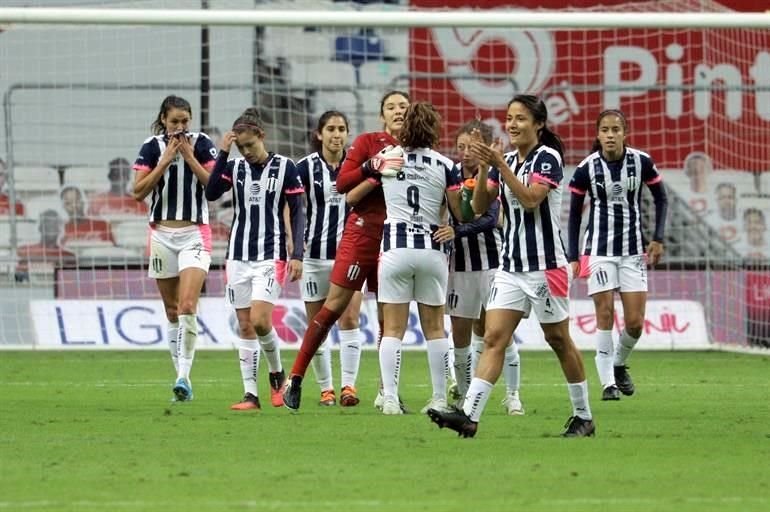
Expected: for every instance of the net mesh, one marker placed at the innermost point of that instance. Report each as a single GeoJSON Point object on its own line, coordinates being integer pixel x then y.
{"type": "Point", "coordinates": [78, 98]}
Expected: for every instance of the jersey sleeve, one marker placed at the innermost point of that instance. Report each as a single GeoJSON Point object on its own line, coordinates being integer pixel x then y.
{"type": "Point", "coordinates": [350, 173]}
{"type": "Point", "coordinates": [303, 171]}
{"type": "Point", "coordinates": [650, 174]}
{"type": "Point", "coordinates": [546, 169]}
{"type": "Point", "coordinates": [291, 182]}
{"type": "Point", "coordinates": [454, 178]}
{"type": "Point", "coordinates": [205, 151]}
{"type": "Point", "coordinates": [148, 157]}
{"type": "Point", "coordinates": [493, 177]}
{"type": "Point", "coordinates": [581, 180]}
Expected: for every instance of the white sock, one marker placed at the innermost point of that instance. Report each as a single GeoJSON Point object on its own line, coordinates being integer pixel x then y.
{"type": "Point", "coordinates": [625, 345]}
{"type": "Point", "coordinates": [322, 366]}
{"type": "Point", "coordinates": [350, 355]}
{"type": "Point", "coordinates": [188, 335]}
{"type": "Point", "coordinates": [450, 374]}
{"type": "Point", "coordinates": [462, 367]}
{"type": "Point", "coordinates": [477, 347]}
{"type": "Point", "coordinates": [248, 355]}
{"type": "Point", "coordinates": [476, 398]}
{"type": "Point", "coordinates": [512, 368]}
{"type": "Point", "coordinates": [578, 395]}
{"type": "Point", "coordinates": [438, 363]}
{"type": "Point", "coordinates": [173, 348]}
{"type": "Point", "coordinates": [390, 365]}
{"type": "Point", "coordinates": [604, 357]}
{"type": "Point", "coordinates": [269, 343]}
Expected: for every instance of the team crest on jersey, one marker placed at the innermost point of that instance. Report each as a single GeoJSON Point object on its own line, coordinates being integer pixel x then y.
{"type": "Point", "coordinates": [632, 182]}
{"type": "Point", "coordinates": [272, 184]}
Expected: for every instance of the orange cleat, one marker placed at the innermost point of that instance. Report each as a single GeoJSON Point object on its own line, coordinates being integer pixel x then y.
{"type": "Point", "coordinates": [249, 403]}
{"type": "Point", "coordinates": [349, 397]}
{"type": "Point", "coordinates": [328, 398]}
{"type": "Point", "coordinates": [277, 385]}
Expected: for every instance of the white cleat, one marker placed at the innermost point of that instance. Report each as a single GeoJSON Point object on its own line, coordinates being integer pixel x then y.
{"type": "Point", "coordinates": [390, 407]}
{"type": "Point", "coordinates": [438, 404]}
{"type": "Point", "coordinates": [379, 400]}
{"type": "Point", "coordinates": [512, 404]}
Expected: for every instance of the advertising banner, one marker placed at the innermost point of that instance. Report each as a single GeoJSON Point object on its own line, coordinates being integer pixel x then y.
{"type": "Point", "coordinates": [132, 325]}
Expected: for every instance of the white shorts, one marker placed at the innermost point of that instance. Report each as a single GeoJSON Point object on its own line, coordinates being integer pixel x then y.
{"type": "Point", "coordinates": [468, 292]}
{"type": "Point", "coordinates": [315, 279]}
{"type": "Point", "coordinates": [405, 275]}
{"type": "Point", "coordinates": [544, 291]}
{"type": "Point", "coordinates": [624, 273]}
{"type": "Point", "coordinates": [175, 249]}
{"type": "Point", "coordinates": [248, 281]}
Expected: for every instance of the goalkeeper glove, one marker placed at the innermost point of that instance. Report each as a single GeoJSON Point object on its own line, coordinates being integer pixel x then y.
{"type": "Point", "coordinates": [387, 162]}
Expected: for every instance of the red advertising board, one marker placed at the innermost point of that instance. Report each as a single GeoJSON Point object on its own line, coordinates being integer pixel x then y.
{"type": "Point", "coordinates": [682, 90]}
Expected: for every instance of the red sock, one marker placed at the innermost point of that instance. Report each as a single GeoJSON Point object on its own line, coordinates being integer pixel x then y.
{"type": "Point", "coordinates": [315, 335]}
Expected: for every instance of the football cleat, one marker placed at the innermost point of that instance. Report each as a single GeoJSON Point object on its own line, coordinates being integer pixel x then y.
{"type": "Point", "coordinates": [292, 393]}
{"type": "Point", "coordinates": [454, 419]}
{"type": "Point", "coordinates": [249, 403]}
{"type": "Point", "coordinates": [379, 400]}
{"type": "Point", "coordinates": [277, 384]}
{"type": "Point", "coordinates": [611, 393]}
{"type": "Point", "coordinates": [391, 407]}
{"type": "Point", "coordinates": [328, 398]}
{"type": "Point", "coordinates": [578, 427]}
{"type": "Point", "coordinates": [348, 397]}
{"type": "Point", "coordinates": [623, 380]}
{"type": "Point", "coordinates": [439, 404]}
{"type": "Point", "coordinates": [512, 404]}
{"type": "Point", "coordinates": [182, 390]}
{"type": "Point", "coordinates": [453, 392]}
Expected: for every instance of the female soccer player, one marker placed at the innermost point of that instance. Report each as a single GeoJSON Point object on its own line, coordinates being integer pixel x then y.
{"type": "Point", "coordinates": [359, 248]}
{"type": "Point", "coordinates": [613, 247]}
{"type": "Point", "coordinates": [414, 265]}
{"type": "Point", "coordinates": [534, 272]}
{"type": "Point", "coordinates": [174, 166]}
{"type": "Point", "coordinates": [262, 183]}
{"type": "Point", "coordinates": [472, 267]}
{"type": "Point", "coordinates": [325, 217]}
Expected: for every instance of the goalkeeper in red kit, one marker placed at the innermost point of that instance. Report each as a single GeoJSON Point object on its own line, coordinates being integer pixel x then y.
{"type": "Point", "coordinates": [359, 249]}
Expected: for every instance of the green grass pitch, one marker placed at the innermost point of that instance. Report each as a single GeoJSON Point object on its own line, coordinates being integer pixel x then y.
{"type": "Point", "coordinates": [96, 431]}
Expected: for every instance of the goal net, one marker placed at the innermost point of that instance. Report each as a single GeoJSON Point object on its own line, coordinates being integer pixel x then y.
{"type": "Point", "coordinates": [78, 101]}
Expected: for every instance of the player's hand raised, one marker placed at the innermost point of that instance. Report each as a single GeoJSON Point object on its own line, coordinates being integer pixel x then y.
{"type": "Point", "coordinates": [387, 162]}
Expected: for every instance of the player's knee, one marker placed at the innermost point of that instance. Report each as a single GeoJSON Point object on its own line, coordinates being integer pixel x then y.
{"type": "Point", "coordinates": [187, 306]}
{"type": "Point", "coordinates": [262, 323]}
{"type": "Point", "coordinates": [348, 321]}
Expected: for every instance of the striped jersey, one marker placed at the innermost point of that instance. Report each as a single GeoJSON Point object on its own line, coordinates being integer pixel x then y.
{"type": "Point", "coordinates": [614, 219]}
{"type": "Point", "coordinates": [413, 199]}
{"type": "Point", "coordinates": [532, 238]}
{"type": "Point", "coordinates": [178, 195]}
{"type": "Point", "coordinates": [479, 251]}
{"type": "Point", "coordinates": [258, 231]}
{"type": "Point", "coordinates": [325, 213]}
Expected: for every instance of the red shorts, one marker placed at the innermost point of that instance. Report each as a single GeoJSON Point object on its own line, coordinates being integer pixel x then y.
{"type": "Point", "coordinates": [357, 258]}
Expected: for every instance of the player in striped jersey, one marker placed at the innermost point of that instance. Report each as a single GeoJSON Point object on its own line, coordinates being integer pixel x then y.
{"type": "Point", "coordinates": [534, 272]}
{"type": "Point", "coordinates": [174, 166]}
{"type": "Point", "coordinates": [613, 246]}
{"type": "Point", "coordinates": [325, 217]}
{"type": "Point", "coordinates": [359, 248]}
{"type": "Point", "coordinates": [413, 265]}
{"type": "Point", "coordinates": [262, 183]}
{"type": "Point", "coordinates": [472, 267]}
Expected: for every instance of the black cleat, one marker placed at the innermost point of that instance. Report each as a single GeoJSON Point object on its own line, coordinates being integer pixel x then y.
{"type": "Point", "coordinates": [623, 380]}
{"type": "Point", "coordinates": [611, 393]}
{"type": "Point", "coordinates": [293, 393]}
{"type": "Point", "coordinates": [578, 427]}
{"type": "Point", "coordinates": [454, 419]}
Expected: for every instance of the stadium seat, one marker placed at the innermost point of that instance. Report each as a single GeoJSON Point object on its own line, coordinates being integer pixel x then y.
{"type": "Point", "coordinates": [131, 233]}
{"type": "Point", "coordinates": [381, 74]}
{"type": "Point", "coordinates": [35, 204]}
{"type": "Point", "coordinates": [26, 232]}
{"type": "Point", "coordinates": [297, 45]}
{"type": "Point", "coordinates": [111, 252]}
{"type": "Point", "coordinates": [328, 74]}
{"type": "Point", "coordinates": [358, 48]}
{"type": "Point", "coordinates": [89, 179]}
{"type": "Point", "coordinates": [764, 182]}
{"type": "Point", "coordinates": [36, 179]}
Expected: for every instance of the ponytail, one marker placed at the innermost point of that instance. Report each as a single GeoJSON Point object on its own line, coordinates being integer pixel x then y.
{"type": "Point", "coordinates": [553, 141]}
